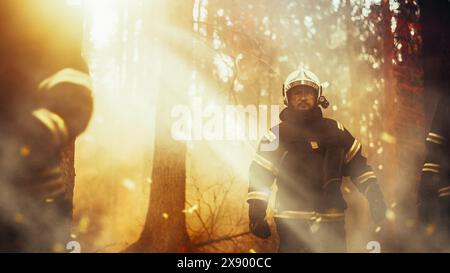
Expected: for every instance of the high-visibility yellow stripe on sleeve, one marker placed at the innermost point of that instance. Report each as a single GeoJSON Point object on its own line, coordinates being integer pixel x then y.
{"type": "Point", "coordinates": [340, 126]}
{"type": "Point", "coordinates": [57, 192]}
{"type": "Point", "coordinates": [270, 136]}
{"type": "Point", "coordinates": [67, 75]}
{"type": "Point", "coordinates": [435, 138]}
{"type": "Point", "coordinates": [52, 171]}
{"type": "Point", "coordinates": [365, 177]}
{"type": "Point", "coordinates": [266, 164]}
{"type": "Point", "coordinates": [258, 195]}
{"type": "Point", "coordinates": [445, 191]}
{"type": "Point", "coordinates": [430, 170]}
{"type": "Point", "coordinates": [332, 180]}
{"type": "Point", "coordinates": [352, 151]}
{"type": "Point", "coordinates": [54, 123]}
{"type": "Point", "coordinates": [431, 167]}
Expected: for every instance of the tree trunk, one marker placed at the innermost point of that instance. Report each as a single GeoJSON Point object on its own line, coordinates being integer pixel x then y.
{"type": "Point", "coordinates": [68, 169]}
{"type": "Point", "coordinates": [390, 101]}
{"type": "Point", "coordinates": [403, 118]}
{"type": "Point", "coordinates": [165, 225]}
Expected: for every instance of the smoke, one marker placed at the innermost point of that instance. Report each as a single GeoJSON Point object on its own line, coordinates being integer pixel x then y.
{"type": "Point", "coordinates": [30, 220]}
{"type": "Point", "coordinates": [244, 62]}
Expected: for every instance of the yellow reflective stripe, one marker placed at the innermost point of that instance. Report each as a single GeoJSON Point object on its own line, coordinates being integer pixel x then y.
{"type": "Point", "coordinates": [57, 192]}
{"type": "Point", "coordinates": [331, 181]}
{"type": "Point", "coordinates": [432, 165]}
{"type": "Point", "coordinates": [53, 182]}
{"type": "Point", "coordinates": [444, 189]}
{"type": "Point", "coordinates": [258, 195]}
{"type": "Point", "coordinates": [352, 151]}
{"type": "Point", "coordinates": [67, 75]}
{"type": "Point", "coordinates": [365, 176]}
{"type": "Point", "coordinates": [270, 136]}
{"type": "Point", "coordinates": [266, 164]}
{"type": "Point", "coordinates": [444, 194]}
{"type": "Point", "coordinates": [429, 139]}
{"type": "Point", "coordinates": [431, 134]}
{"type": "Point", "coordinates": [433, 170]}
{"type": "Point", "coordinates": [340, 126]}
{"type": "Point", "coordinates": [51, 171]}
{"type": "Point", "coordinates": [435, 138]}
{"type": "Point", "coordinates": [310, 215]}
{"type": "Point", "coordinates": [54, 123]}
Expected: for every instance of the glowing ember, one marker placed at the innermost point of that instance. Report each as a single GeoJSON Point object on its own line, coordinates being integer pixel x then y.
{"type": "Point", "coordinates": [314, 227]}
{"type": "Point", "coordinates": [148, 180]}
{"type": "Point", "coordinates": [83, 224]}
{"type": "Point", "coordinates": [18, 218]}
{"type": "Point", "coordinates": [191, 210]}
{"type": "Point", "coordinates": [25, 151]}
{"type": "Point", "coordinates": [129, 184]}
{"type": "Point", "coordinates": [388, 138]}
{"type": "Point", "coordinates": [430, 229]}
{"type": "Point", "coordinates": [390, 215]}
{"type": "Point", "coordinates": [58, 248]}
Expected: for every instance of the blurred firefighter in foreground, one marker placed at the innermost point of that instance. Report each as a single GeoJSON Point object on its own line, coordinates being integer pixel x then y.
{"type": "Point", "coordinates": [45, 103]}
{"type": "Point", "coordinates": [434, 188]}
{"type": "Point", "coordinates": [310, 156]}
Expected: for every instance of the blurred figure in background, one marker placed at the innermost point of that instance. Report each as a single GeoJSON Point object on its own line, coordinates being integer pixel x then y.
{"type": "Point", "coordinates": [45, 103]}
{"type": "Point", "coordinates": [434, 187]}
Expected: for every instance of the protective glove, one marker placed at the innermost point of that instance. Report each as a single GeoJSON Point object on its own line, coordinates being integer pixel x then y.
{"type": "Point", "coordinates": [257, 213]}
{"type": "Point", "coordinates": [377, 205]}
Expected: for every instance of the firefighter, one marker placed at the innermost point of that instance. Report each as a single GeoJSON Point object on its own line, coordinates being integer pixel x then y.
{"type": "Point", "coordinates": [45, 103]}
{"type": "Point", "coordinates": [434, 187]}
{"type": "Point", "coordinates": [308, 155]}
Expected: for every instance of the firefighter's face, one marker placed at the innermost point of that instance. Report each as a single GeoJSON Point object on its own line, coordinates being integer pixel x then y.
{"type": "Point", "coordinates": [302, 98]}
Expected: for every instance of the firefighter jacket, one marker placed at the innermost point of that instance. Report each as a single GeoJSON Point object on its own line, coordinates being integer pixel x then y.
{"type": "Point", "coordinates": [307, 155]}
{"type": "Point", "coordinates": [434, 187]}
{"type": "Point", "coordinates": [33, 208]}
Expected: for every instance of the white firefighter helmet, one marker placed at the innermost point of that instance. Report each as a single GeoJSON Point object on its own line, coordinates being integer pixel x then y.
{"type": "Point", "coordinates": [304, 77]}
